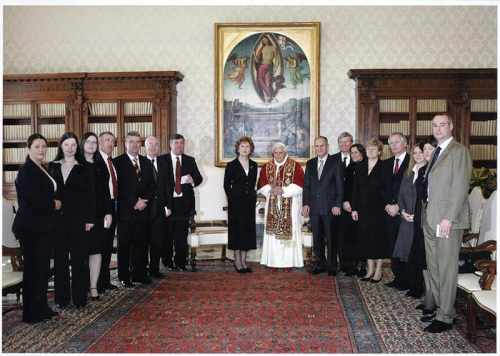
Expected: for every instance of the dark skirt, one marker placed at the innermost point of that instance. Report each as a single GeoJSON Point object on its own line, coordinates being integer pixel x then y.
{"type": "Point", "coordinates": [242, 233]}
{"type": "Point", "coordinates": [96, 238]}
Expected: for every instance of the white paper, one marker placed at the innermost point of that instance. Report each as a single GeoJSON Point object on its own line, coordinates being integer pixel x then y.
{"type": "Point", "coordinates": [184, 179]}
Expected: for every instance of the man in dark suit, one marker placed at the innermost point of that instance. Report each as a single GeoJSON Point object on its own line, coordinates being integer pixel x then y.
{"type": "Point", "coordinates": [104, 162]}
{"type": "Point", "coordinates": [157, 224]}
{"type": "Point", "coordinates": [322, 200]}
{"type": "Point", "coordinates": [181, 176]}
{"type": "Point", "coordinates": [135, 175]}
{"type": "Point", "coordinates": [343, 223]}
{"type": "Point", "coordinates": [394, 171]}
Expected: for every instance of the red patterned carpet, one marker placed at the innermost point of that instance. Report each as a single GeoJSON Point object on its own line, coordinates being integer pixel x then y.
{"type": "Point", "coordinates": [265, 311]}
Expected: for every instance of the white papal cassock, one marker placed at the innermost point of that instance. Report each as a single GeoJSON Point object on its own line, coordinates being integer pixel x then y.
{"type": "Point", "coordinates": [282, 243]}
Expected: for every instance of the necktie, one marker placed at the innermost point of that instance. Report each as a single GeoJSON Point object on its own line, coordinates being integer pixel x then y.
{"type": "Point", "coordinates": [178, 189]}
{"type": "Point", "coordinates": [396, 166]}
{"type": "Point", "coordinates": [320, 168]}
{"type": "Point", "coordinates": [114, 182]}
{"type": "Point", "coordinates": [136, 166]}
{"type": "Point", "coordinates": [345, 162]}
{"type": "Point", "coordinates": [155, 171]}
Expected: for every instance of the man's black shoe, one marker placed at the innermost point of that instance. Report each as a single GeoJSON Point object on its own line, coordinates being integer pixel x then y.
{"type": "Point", "coordinates": [144, 280]}
{"type": "Point", "coordinates": [127, 284]}
{"type": "Point", "coordinates": [318, 270]}
{"type": "Point", "coordinates": [401, 287]}
{"type": "Point", "coordinates": [428, 318]}
{"type": "Point", "coordinates": [157, 274]}
{"type": "Point", "coordinates": [428, 311]}
{"type": "Point", "coordinates": [420, 307]}
{"type": "Point", "coordinates": [182, 268]}
{"type": "Point", "coordinates": [438, 327]}
{"type": "Point", "coordinates": [111, 287]}
{"type": "Point", "coordinates": [332, 273]}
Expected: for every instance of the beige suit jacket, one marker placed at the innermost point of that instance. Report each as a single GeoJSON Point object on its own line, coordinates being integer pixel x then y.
{"type": "Point", "coordinates": [448, 184]}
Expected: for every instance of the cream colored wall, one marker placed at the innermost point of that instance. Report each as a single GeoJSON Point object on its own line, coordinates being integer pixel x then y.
{"type": "Point", "coordinates": [67, 39]}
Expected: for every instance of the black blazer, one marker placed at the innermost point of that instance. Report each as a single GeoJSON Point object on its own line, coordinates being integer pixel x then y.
{"type": "Point", "coordinates": [393, 181]}
{"type": "Point", "coordinates": [77, 194]}
{"type": "Point", "coordinates": [321, 195]}
{"type": "Point", "coordinates": [131, 187]}
{"type": "Point", "coordinates": [347, 175]}
{"type": "Point", "coordinates": [188, 166]}
{"type": "Point", "coordinates": [35, 196]}
{"type": "Point", "coordinates": [237, 184]}
{"type": "Point", "coordinates": [99, 178]}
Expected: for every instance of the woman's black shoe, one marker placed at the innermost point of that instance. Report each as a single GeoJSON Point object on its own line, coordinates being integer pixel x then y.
{"type": "Point", "coordinates": [413, 294]}
{"type": "Point", "coordinates": [420, 307]}
{"type": "Point", "coordinates": [248, 270]}
{"type": "Point", "coordinates": [366, 279]}
{"type": "Point", "coordinates": [375, 280]}
{"type": "Point", "coordinates": [239, 270]}
{"type": "Point", "coordinates": [428, 311]}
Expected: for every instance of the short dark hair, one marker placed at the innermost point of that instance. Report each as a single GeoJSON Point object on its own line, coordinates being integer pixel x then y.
{"type": "Point", "coordinates": [244, 139]}
{"type": "Point", "coordinates": [176, 136]}
{"type": "Point", "coordinates": [33, 137]}
{"type": "Point", "coordinates": [360, 148]}
{"type": "Point", "coordinates": [60, 154]}
{"type": "Point", "coordinates": [133, 134]}
{"type": "Point", "coordinates": [447, 114]}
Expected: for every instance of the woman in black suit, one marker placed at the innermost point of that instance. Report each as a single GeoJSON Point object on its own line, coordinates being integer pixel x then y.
{"type": "Point", "coordinates": [240, 178]}
{"type": "Point", "coordinates": [76, 217]}
{"type": "Point", "coordinates": [368, 209]}
{"type": "Point", "coordinates": [99, 180]}
{"type": "Point", "coordinates": [33, 227]}
{"type": "Point", "coordinates": [358, 154]}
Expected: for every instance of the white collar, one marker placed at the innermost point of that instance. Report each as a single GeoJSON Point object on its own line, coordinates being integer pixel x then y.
{"type": "Point", "coordinates": [132, 158]}
{"type": "Point", "coordinates": [445, 144]}
{"type": "Point", "coordinates": [104, 155]}
{"type": "Point", "coordinates": [401, 157]}
{"type": "Point", "coordinates": [151, 158]}
{"type": "Point", "coordinates": [282, 163]}
{"type": "Point", "coordinates": [345, 155]}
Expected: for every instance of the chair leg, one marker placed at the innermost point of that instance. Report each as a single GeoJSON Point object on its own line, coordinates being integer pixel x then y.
{"type": "Point", "coordinates": [471, 318]}
{"type": "Point", "coordinates": [193, 258]}
{"type": "Point", "coordinates": [223, 257]}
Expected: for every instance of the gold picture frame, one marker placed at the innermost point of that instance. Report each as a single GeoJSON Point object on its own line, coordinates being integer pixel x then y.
{"type": "Point", "coordinates": [267, 87]}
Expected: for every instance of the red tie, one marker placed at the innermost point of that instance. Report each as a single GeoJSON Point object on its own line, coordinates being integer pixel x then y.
{"type": "Point", "coordinates": [114, 182]}
{"type": "Point", "coordinates": [178, 176]}
{"type": "Point", "coordinates": [396, 167]}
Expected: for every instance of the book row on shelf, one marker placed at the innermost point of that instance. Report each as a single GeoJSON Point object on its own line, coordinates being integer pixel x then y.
{"type": "Point", "coordinates": [9, 176]}
{"type": "Point", "coordinates": [386, 128]}
{"type": "Point", "coordinates": [17, 110]}
{"type": "Point", "coordinates": [138, 108]}
{"type": "Point", "coordinates": [97, 128]}
{"type": "Point", "coordinates": [394, 105]}
{"type": "Point", "coordinates": [483, 105]}
{"type": "Point", "coordinates": [483, 152]}
{"type": "Point", "coordinates": [52, 131]}
{"type": "Point", "coordinates": [102, 109]}
{"type": "Point", "coordinates": [144, 128]}
{"type": "Point", "coordinates": [483, 128]}
{"type": "Point", "coordinates": [16, 132]}
{"type": "Point", "coordinates": [53, 110]}
{"type": "Point", "coordinates": [424, 127]}
{"type": "Point", "coordinates": [431, 105]}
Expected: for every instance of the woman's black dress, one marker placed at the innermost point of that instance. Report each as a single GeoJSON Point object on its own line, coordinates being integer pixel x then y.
{"type": "Point", "coordinates": [241, 198]}
{"type": "Point", "coordinates": [368, 200]}
{"type": "Point", "coordinates": [416, 259]}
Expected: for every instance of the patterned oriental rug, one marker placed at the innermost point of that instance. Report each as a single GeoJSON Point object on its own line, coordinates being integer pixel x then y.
{"type": "Point", "coordinates": [217, 310]}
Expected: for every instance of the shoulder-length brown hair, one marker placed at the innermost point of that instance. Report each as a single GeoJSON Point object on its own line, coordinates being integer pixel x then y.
{"type": "Point", "coordinates": [241, 140]}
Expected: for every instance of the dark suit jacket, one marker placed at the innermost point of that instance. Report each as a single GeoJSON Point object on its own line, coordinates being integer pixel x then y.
{"type": "Point", "coordinates": [77, 195]}
{"type": "Point", "coordinates": [321, 195]}
{"type": "Point", "coordinates": [237, 184]}
{"type": "Point", "coordinates": [347, 175]}
{"type": "Point", "coordinates": [393, 181]}
{"type": "Point", "coordinates": [188, 166]}
{"type": "Point", "coordinates": [35, 196]}
{"type": "Point", "coordinates": [132, 187]}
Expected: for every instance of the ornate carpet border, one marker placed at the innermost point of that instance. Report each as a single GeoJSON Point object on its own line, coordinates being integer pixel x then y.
{"type": "Point", "coordinates": [363, 333]}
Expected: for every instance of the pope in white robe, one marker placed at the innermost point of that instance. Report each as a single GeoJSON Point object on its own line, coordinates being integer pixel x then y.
{"type": "Point", "coordinates": [281, 181]}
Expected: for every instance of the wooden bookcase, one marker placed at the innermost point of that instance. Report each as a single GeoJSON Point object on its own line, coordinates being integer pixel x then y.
{"type": "Point", "coordinates": [406, 100]}
{"type": "Point", "coordinates": [52, 104]}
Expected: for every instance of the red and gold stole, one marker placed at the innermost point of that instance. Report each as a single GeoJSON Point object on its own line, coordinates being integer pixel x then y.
{"type": "Point", "coordinates": [279, 209]}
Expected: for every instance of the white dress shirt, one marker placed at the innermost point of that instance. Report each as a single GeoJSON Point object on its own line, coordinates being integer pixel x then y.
{"type": "Point", "coordinates": [110, 183]}
{"type": "Point", "coordinates": [348, 160]}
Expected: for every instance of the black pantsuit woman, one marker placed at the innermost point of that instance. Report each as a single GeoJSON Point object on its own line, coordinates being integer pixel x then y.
{"type": "Point", "coordinates": [76, 217]}
{"type": "Point", "coordinates": [239, 184]}
{"type": "Point", "coordinates": [33, 227]}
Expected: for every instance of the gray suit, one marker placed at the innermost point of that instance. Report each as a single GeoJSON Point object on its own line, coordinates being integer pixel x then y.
{"type": "Point", "coordinates": [448, 185]}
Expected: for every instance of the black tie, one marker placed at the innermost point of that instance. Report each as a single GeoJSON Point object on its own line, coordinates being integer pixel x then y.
{"type": "Point", "coordinates": [345, 162]}
{"type": "Point", "coordinates": [155, 171]}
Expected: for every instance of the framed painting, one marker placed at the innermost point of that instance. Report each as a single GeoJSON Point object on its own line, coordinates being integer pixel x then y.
{"type": "Point", "coordinates": [267, 87]}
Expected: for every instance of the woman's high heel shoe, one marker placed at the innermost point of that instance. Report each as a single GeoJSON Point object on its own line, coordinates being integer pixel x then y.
{"type": "Point", "coordinates": [366, 279]}
{"type": "Point", "coordinates": [94, 298]}
{"type": "Point", "coordinates": [375, 280]}
{"type": "Point", "coordinates": [239, 270]}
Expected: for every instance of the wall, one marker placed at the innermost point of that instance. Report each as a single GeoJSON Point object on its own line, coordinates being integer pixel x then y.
{"type": "Point", "coordinates": [46, 39]}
